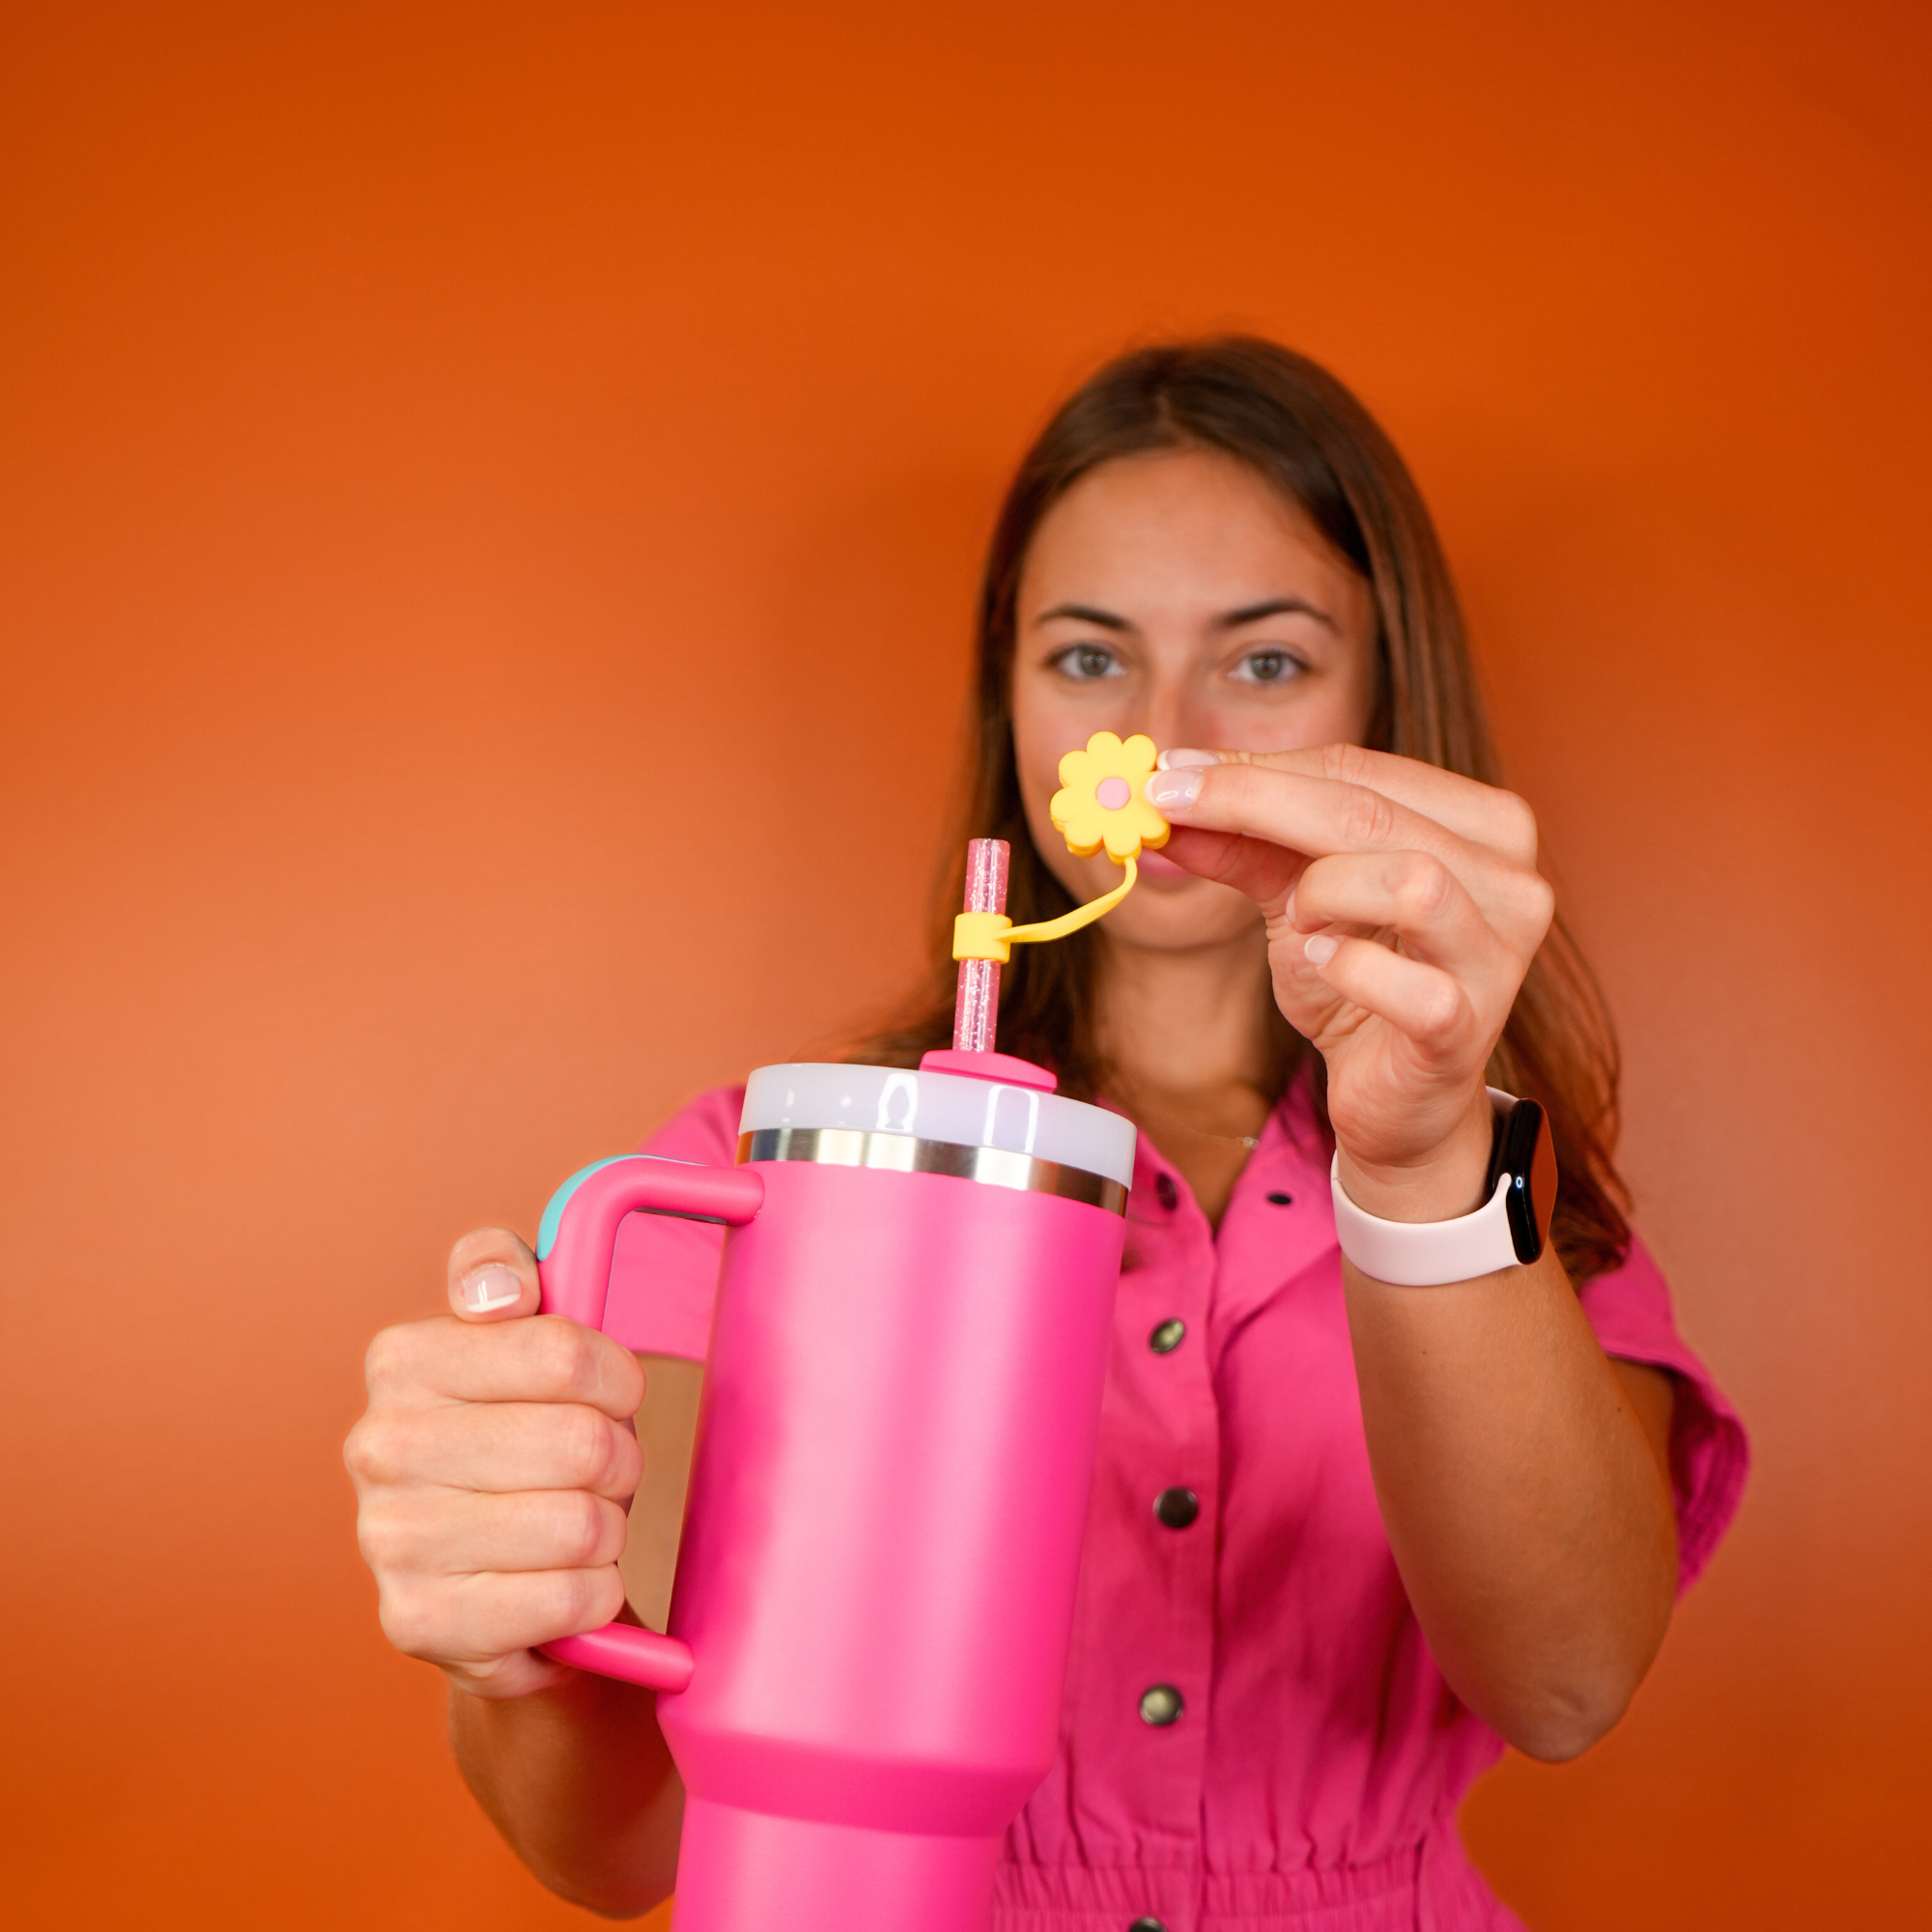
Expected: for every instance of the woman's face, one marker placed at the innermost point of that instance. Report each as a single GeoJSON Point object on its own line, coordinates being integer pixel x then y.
{"type": "Point", "coordinates": [1179, 594]}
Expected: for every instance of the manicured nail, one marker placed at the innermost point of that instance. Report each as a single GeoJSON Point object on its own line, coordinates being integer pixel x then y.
{"type": "Point", "coordinates": [1175, 761]}
{"type": "Point", "coordinates": [491, 1285]}
{"type": "Point", "coordinates": [1320, 949]}
{"type": "Point", "coordinates": [1166, 789]}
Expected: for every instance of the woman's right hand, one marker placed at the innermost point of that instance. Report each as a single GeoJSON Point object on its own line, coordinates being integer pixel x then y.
{"type": "Point", "coordinates": [492, 1469]}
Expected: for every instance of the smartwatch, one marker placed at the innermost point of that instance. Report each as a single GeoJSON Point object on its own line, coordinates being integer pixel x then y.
{"type": "Point", "coordinates": [1510, 1228]}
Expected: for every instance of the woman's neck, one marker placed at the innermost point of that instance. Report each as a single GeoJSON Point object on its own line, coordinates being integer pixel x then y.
{"type": "Point", "coordinates": [1185, 1034]}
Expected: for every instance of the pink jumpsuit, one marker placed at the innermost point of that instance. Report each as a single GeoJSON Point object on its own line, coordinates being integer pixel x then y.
{"type": "Point", "coordinates": [1255, 1736]}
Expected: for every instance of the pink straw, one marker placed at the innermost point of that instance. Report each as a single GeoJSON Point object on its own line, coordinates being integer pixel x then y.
{"type": "Point", "coordinates": [976, 1008]}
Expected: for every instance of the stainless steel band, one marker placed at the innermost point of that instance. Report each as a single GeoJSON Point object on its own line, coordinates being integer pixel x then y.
{"type": "Point", "coordinates": [906, 1153]}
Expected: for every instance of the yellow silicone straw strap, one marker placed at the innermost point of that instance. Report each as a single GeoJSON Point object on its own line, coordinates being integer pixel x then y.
{"type": "Point", "coordinates": [989, 935]}
{"type": "Point", "coordinates": [1101, 806]}
{"type": "Point", "coordinates": [1073, 922]}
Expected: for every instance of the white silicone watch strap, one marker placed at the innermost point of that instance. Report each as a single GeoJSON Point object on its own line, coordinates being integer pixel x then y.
{"type": "Point", "coordinates": [1427, 1253]}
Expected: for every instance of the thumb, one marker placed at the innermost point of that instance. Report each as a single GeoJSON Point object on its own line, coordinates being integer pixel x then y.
{"type": "Point", "coordinates": [493, 1277]}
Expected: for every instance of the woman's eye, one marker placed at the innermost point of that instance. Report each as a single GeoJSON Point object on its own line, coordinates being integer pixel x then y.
{"type": "Point", "coordinates": [1086, 661]}
{"type": "Point", "coordinates": [1267, 668]}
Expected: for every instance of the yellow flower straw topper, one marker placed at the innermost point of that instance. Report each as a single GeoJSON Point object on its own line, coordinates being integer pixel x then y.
{"type": "Point", "coordinates": [1102, 805]}
{"type": "Point", "coordinates": [1102, 801]}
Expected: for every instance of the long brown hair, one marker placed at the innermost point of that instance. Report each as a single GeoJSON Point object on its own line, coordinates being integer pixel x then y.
{"type": "Point", "coordinates": [1291, 421]}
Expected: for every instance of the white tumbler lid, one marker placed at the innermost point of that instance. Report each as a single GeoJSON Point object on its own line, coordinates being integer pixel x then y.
{"type": "Point", "coordinates": [948, 1107]}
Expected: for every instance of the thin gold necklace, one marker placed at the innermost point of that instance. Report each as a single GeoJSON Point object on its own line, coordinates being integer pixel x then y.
{"type": "Point", "coordinates": [1248, 1141]}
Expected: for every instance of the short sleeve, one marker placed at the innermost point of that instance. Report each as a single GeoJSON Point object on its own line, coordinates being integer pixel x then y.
{"type": "Point", "coordinates": [665, 1270]}
{"type": "Point", "coordinates": [1630, 1310]}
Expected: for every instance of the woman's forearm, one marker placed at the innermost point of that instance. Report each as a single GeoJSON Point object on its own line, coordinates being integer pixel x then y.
{"type": "Point", "coordinates": [579, 1781]}
{"type": "Point", "coordinates": [1522, 1483]}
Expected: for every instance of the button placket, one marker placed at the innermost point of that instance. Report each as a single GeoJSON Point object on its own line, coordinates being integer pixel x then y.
{"type": "Point", "coordinates": [1177, 1461]}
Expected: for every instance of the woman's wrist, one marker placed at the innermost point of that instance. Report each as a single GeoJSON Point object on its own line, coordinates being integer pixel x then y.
{"type": "Point", "coordinates": [1442, 1184]}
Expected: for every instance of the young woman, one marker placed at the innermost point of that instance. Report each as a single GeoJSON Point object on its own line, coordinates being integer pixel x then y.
{"type": "Point", "coordinates": [1346, 1539]}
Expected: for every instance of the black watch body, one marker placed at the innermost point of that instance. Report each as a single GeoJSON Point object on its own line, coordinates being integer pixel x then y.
{"type": "Point", "coordinates": [1521, 1148]}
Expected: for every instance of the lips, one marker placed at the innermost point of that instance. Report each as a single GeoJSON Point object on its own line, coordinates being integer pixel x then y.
{"type": "Point", "coordinates": [1158, 866]}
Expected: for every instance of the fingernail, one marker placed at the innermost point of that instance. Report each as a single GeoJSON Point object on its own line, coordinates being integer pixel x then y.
{"type": "Point", "coordinates": [1320, 949]}
{"type": "Point", "coordinates": [1171, 788]}
{"type": "Point", "coordinates": [1173, 761]}
{"type": "Point", "coordinates": [491, 1286]}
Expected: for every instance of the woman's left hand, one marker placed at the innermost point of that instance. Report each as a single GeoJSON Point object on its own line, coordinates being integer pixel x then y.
{"type": "Point", "coordinates": [1403, 907]}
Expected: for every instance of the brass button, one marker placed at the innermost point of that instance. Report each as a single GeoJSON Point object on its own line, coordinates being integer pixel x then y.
{"type": "Point", "coordinates": [1176, 1507]}
{"type": "Point", "coordinates": [1160, 1705]}
{"type": "Point", "coordinates": [1166, 1336]}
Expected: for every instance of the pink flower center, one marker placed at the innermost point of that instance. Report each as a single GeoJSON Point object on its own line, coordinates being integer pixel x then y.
{"type": "Point", "coordinates": [1113, 793]}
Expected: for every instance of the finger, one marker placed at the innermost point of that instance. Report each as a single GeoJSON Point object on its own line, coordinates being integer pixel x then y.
{"type": "Point", "coordinates": [431, 1533]}
{"type": "Point", "coordinates": [1307, 813]}
{"type": "Point", "coordinates": [1485, 814]}
{"type": "Point", "coordinates": [493, 1277]}
{"type": "Point", "coordinates": [1318, 818]}
{"type": "Point", "coordinates": [502, 1678]}
{"type": "Point", "coordinates": [1265, 872]}
{"type": "Point", "coordinates": [475, 1620]}
{"type": "Point", "coordinates": [496, 1448]}
{"type": "Point", "coordinates": [1420, 1000]}
{"type": "Point", "coordinates": [547, 1358]}
{"type": "Point", "coordinates": [1415, 895]}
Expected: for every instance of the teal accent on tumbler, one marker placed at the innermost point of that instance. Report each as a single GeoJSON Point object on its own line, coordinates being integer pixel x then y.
{"type": "Point", "coordinates": [552, 1215]}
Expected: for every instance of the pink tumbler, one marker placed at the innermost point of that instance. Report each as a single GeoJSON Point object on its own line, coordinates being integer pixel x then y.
{"type": "Point", "coordinates": [867, 1635]}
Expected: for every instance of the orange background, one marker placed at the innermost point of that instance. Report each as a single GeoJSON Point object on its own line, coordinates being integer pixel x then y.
{"type": "Point", "coordinates": [460, 471]}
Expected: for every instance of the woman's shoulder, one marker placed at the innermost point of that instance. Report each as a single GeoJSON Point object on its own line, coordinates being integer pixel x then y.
{"type": "Point", "coordinates": [705, 1128]}
{"type": "Point", "coordinates": [1629, 1307]}
{"type": "Point", "coordinates": [665, 1270]}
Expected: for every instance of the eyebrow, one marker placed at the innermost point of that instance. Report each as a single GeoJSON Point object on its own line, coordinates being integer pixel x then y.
{"type": "Point", "coordinates": [1085, 613]}
{"type": "Point", "coordinates": [1231, 621]}
{"type": "Point", "coordinates": [1274, 606]}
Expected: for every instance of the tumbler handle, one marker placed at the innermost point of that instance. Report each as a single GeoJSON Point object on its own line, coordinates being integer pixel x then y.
{"type": "Point", "coordinates": [575, 1244]}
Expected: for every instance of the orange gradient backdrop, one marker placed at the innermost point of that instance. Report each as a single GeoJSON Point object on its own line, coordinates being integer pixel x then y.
{"type": "Point", "coordinates": [489, 505]}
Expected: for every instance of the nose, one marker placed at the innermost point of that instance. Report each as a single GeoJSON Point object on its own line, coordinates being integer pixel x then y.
{"type": "Point", "coordinates": [1173, 713]}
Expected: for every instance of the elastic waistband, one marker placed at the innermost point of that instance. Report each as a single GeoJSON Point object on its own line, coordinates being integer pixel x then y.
{"type": "Point", "coordinates": [1425, 1887]}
